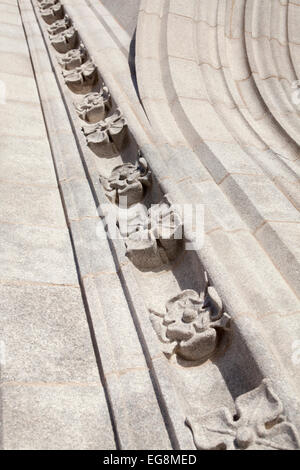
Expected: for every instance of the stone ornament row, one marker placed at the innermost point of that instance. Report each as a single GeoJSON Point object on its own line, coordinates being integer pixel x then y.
{"type": "Point", "coordinates": [192, 325]}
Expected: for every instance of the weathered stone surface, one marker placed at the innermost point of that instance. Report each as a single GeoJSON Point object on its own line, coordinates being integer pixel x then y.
{"type": "Point", "coordinates": [209, 92]}
{"type": "Point", "coordinates": [48, 211]}
{"type": "Point", "coordinates": [35, 321]}
{"type": "Point", "coordinates": [38, 254]}
{"type": "Point", "coordinates": [257, 425]}
{"type": "Point", "coordinates": [54, 417]}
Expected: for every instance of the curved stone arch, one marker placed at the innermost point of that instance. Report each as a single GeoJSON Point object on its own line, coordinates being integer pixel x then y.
{"type": "Point", "coordinates": [181, 71]}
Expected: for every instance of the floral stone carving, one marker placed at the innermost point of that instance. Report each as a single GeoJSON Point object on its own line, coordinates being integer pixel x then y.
{"type": "Point", "coordinates": [128, 181]}
{"type": "Point", "coordinates": [94, 106]}
{"type": "Point", "coordinates": [74, 58]}
{"type": "Point", "coordinates": [258, 424]}
{"type": "Point", "coordinates": [52, 14]}
{"type": "Point", "coordinates": [109, 133]}
{"type": "Point", "coordinates": [65, 40]}
{"type": "Point", "coordinates": [82, 78]}
{"type": "Point", "coordinates": [158, 239]}
{"type": "Point", "coordinates": [191, 325]}
{"type": "Point", "coordinates": [44, 4]}
{"type": "Point", "coordinates": [59, 26]}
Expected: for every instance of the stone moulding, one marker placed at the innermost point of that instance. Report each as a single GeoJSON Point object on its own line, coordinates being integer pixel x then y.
{"type": "Point", "coordinates": [52, 14]}
{"type": "Point", "coordinates": [82, 78]}
{"type": "Point", "coordinates": [128, 181]}
{"type": "Point", "coordinates": [191, 324]}
{"type": "Point", "coordinates": [157, 239]}
{"type": "Point", "coordinates": [59, 26]}
{"type": "Point", "coordinates": [94, 106]}
{"type": "Point", "coordinates": [109, 133]}
{"type": "Point", "coordinates": [210, 258]}
{"type": "Point", "coordinates": [65, 40]}
{"type": "Point", "coordinates": [257, 425]}
{"type": "Point", "coordinates": [74, 58]}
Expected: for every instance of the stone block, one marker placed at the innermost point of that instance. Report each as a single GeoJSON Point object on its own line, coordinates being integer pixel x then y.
{"type": "Point", "coordinates": [19, 66]}
{"type": "Point", "coordinates": [36, 205]}
{"type": "Point", "coordinates": [22, 120]}
{"type": "Point", "coordinates": [37, 254]}
{"type": "Point", "coordinates": [19, 88]}
{"type": "Point", "coordinates": [10, 14]}
{"type": "Point", "coordinates": [141, 429]}
{"type": "Point", "coordinates": [257, 199]}
{"type": "Point", "coordinates": [281, 240]}
{"type": "Point", "coordinates": [55, 417]}
{"type": "Point", "coordinates": [26, 161]}
{"type": "Point", "coordinates": [46, 335]}
{"type": "Point", "coordinates": [78, 199]}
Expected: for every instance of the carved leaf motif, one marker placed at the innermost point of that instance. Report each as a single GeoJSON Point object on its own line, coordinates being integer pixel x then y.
{"type": "Point", "coordinates": [213, 301]}
{"type": "Point", "coordinates": [53, 13]}
{"type": "Point", "coordinates": [94, 106]}
{"type": "Point", "coordinates": [283, 436]}
{"type": "Point", "coordinates": [215, 430]}
{"type": "Point", "coordinates": [258, 405]}
{"type": "Point", "coordinates": [65, 40]}
{"type": "Point", "coordinates": [83, 75]}
{"type": "Point", "coordinates": [129, 181]}
{"type": "Point", "coordinates": [160, 329]}
{"type": "Point", "coordinates": [106, 131]}
{"type": "Point", "coordinates": [258, 424]}
{"type": "Point", "coordinates": [190, 323]}
{"type": "Point", "coordinates": [59, 26]}
{"type": "Point", "coordinates": [73, 58]}
{"type": "Point", "coordinates": [44, 4]}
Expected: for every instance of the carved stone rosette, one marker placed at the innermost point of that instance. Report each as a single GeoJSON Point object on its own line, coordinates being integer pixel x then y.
{"type": "Point", "coordinates": [191, 324]}
{"type": "Point", "coordinates": [259, 424]}
{"type": "Point", "coordinates": [65, 40]}
{"type": "Point", "coordinates": [107, 135]}
{"type": "Point", "coordinates": [82, 78]}
{"type": "Point", "coordinates": [45, 4]}
{"type": "Point", "coordinates": [74, 58]}
{"type": "Point", "coordinates": [94, 106]}
{"type": "Point", "coordinates": [158, 239]}
{"type": "Point", "coordinates": [59, 26]}
{"type": "Point", "coordinates": [52, 14]}
{"type": "Point", "coordinates": [128, 181]}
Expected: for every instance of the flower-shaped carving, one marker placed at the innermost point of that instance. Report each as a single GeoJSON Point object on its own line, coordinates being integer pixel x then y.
{"type": "Point", "coordinates": [108, 133]}
{"type": "Point", "coordinates": [94, 106]}
{"type": "Point", "coordinates": [44, 4]}
{"type": "Point", "coordinates": [257, 425]}
{"type": "Point", "coordinates": [52, 14]}
{"type": "Point", "coordinates": [59, 26]}
{"type": "Point", "coordinates": [74, 58]}
{"type": "Point", "coordinates": [128, 181]}
{"type": "Point", "coordinates": [65, 40]}
{"type": "Point", "coordinates": [82, 78]}
{"type": "Point", "coordinates": [158, 239]}
{"type": "Point", "coordinates": [190, 326]}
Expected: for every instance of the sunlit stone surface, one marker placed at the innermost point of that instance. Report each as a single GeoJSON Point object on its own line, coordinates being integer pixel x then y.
{"type": "Point", "coordinates": [149, 224]}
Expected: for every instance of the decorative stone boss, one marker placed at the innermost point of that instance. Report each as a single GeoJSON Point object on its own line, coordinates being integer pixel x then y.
{"type": "Point", "coordinates": [189, 327]}
{"type": "Point", "coordinates": [152, 236]}
{"type": "Point", "coordinates": [94, 106]}
{"type": "Point", "coordinates": [128, 181]}
{"type": "Point", "coordinates": [259, 424]}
